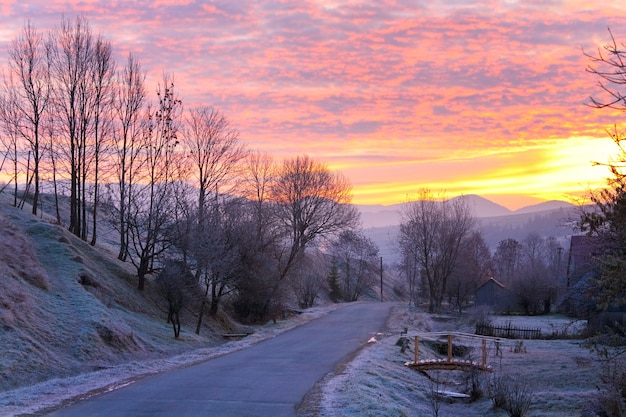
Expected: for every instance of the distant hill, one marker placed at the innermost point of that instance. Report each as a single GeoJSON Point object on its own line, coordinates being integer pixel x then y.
{"type": "Point", "coordinates": [545, 206]}
{"type": "Point", "coordinates": [557, 222]}
{"type": "Point", "coordinates": [551, 218]}
{"type": "Point", "coordinates": [484, 207]}
{"type": "Point", "coordinates": [377, 215]}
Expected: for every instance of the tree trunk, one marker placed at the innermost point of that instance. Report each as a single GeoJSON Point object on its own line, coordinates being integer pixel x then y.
{"type": "Point", "coordinates": [95, 203]}
{"type": "Point", "coordinates": [201, 312]}
{"type": "Point", "coordinates": [215, 299]}
{"type": "Point", "coordinates": [175, 324]}
{"type": "Point", "coordinates": [15, 175]}
{"type": "Point", "coordinates": [122, 255]}
{"type": "Point", "coordinates": [36, 193]}
{"type": "Point", "coordinates": [141, 273]}
{"type": "Point", "coordinates": [95, 210]}
{"type": "Point", "coordinates": [54, 183]}
{"type": "Point", "coordinates": [73, 191]}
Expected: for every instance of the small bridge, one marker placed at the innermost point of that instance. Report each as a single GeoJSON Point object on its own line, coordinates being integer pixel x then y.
{"type": "Point", "coordinates": [448, 365]}
{"type": "Point", "coordinates": [451, 364]}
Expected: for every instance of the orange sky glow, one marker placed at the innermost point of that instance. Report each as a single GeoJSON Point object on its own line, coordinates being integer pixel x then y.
{"type": "Point", "coordinates": [466, 97]}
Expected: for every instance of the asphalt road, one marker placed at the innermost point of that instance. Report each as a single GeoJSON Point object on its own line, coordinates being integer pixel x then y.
{"type": "Point", "coordinates": [268, 379]}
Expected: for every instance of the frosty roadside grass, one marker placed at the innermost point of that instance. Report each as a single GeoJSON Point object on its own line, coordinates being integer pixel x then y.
{"type": "Point", "coordinates": [559, 375]}
{"type": "Point", "coordinates": [54, 392]}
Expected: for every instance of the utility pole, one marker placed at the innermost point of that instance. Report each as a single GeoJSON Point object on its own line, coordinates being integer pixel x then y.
{"type": "Point", "coordinates": [381, 279]}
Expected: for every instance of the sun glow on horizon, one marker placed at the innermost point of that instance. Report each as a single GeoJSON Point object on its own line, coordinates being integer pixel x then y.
{"type": "Point", "coordinates": [560, 170]}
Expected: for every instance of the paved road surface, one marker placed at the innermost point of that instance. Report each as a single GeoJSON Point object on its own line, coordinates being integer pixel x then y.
{"type": "Point", "coordinates": [268, 379]}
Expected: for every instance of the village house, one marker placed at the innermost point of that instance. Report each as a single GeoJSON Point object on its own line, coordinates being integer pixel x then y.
{"type": "Point", "coordinates": [495, 295]}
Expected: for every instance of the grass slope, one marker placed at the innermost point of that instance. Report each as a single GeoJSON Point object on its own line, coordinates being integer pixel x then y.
{"type": "Point", "coordinates": [68, 308]}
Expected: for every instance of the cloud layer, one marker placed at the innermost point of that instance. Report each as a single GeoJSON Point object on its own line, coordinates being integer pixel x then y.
{"type": "Point", "coordinates": [471, 97]}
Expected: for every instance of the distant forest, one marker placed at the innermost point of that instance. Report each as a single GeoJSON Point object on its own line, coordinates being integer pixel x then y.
{"type": "Point", "coordinates": [557, 223]}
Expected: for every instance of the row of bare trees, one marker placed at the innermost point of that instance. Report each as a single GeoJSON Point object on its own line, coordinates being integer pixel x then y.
{"type": "Point", "coordinates": [177, 185]}
{"type": "Point", "coordinates": [431, 236]}
{"type": "Point", "coordinates": [534, 268]}
{"type": "Point", "coordinates": [57, 102]}
{"type": "Point", "coordinates": [57, 94]}
{"type": "Point", "coordinates": [445, 257]}
{"type": "Point", "coordinates": [250, 243]}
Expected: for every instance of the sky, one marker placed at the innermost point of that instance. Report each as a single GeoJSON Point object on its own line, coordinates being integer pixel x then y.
{"type": "Point", "coordinates": [461, 97]}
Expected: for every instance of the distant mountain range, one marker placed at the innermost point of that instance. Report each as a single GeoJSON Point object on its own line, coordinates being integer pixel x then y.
{"type": "Point", "coordinates": [382, 216]}
{"type": "Point", "coordinates": [550, 218]}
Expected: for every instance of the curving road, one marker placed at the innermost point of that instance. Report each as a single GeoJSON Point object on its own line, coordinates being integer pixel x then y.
{"type": "Point", "coordinates": [268, 379]}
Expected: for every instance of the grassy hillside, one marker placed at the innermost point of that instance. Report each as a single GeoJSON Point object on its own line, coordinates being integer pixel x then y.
{"type": "Point", "coordinates": [68, 308]}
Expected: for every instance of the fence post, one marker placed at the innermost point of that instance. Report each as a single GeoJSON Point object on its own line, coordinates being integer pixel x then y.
{"type": "Point", "coordinates": [416, 354]}
{"type": "Point", "coordinates": [484, 352]}
{"type": "Point", "coordinates": [449, 348]}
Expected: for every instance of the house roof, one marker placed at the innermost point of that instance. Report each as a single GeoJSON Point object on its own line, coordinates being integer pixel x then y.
{"type": "Point", "coordinates": [495, 281]}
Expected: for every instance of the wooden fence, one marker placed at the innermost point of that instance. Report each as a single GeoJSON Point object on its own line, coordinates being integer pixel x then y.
{"type": "Point", "coordinates": [508, 331]}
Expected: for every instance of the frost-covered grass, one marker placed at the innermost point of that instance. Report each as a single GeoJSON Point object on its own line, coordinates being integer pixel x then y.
{"type": "Point", "coordinates": [72, 321]}
{"type": "Point", "coordinates": [36, 398]}
{"type": "Point", "coordinates": [67, 308]}
{"type": "Point", "coordinates": [562, 374]}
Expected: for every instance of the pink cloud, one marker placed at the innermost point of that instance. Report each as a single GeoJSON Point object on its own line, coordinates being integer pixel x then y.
{"type": "Point", "coordinates": [357, 79]}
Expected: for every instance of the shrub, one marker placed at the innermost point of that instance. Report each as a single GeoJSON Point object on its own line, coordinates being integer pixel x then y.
{"type": "Point", "coordinates": [498, 390]}
{"type": "Point", "coordinates": [514, 397]}
{"type": "Point", "coordinates": [519, 399]}
{"type": "Point", "coordinates": [610, 350]}
{"type": "Point", "coordinates": [475, 382]}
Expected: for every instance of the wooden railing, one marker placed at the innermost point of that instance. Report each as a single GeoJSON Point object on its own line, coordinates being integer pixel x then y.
{"type": "Point", "coordinates": [450, 363]}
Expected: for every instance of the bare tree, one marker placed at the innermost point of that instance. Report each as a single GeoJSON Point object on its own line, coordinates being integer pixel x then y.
{"type": "Point", "coordinates": [52, 151]}
{"type": "Point", "coordinates": [473, 266]}
{"type": "Point", "coordinates": [293, 206]}
{"type": "Point", "coordinates": [213, 148]}
{"type": "Point", "coordinates": [27, 97]}
{"type": "Point", "coordinates": [537, 284]}
{"type": "Point", "coordinates": [434, 231]}
{"type": "Point", "coordinates": [102, 73]}
{"type": "Point", "coordinates": [309, 280]}
{"type": "Point", "coordinates": [507, 260]}
{"type": "Point", "coordinates": [176, 284]}
{"type": "Point", "coordinates": [183, 232]}
{"type": "Point", "coordinates": [130, 97]}
{"type": "Point", "coordinates": [259, 173]}
{"type": "Point", "coordinates": [10, 117]}
{"type": "Point", "coordinates": [152, 203]}
{"type": "Point", "coordinates": [311, 203]}
{"type": "Point", "coordinates": [257, 291]}
{"type": "Point", "coordinates": [358, 261]}
{"type": "Point", "coordinates": [71, 54]}
{"type": "Point", "coordinates": [608, 65]}
{"type": "Point", "coordinates": [82, 69]}
{"type": "Point", "coordinates": [410, 268]}
{"type": "Point", "coordinates": [222, 250]}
